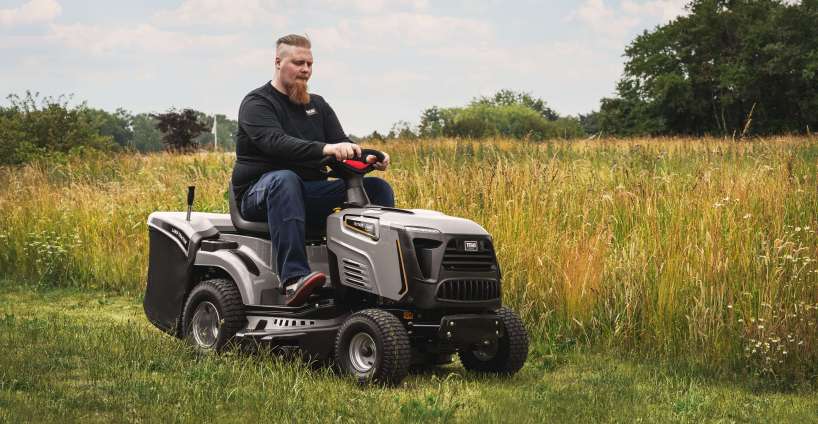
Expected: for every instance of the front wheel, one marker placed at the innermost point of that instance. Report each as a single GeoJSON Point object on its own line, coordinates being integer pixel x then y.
{"type": "Point", "coordinates": [212, 315]}
{"type": "Point", "coordinates": [505, 356]}
{"type": "Point", "coordinates": [373, 346]}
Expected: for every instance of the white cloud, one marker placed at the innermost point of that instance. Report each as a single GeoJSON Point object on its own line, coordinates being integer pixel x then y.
{"type": "Point", "coordinates": [618, 23]}
{"type": "Point", "coordinates": [32, 12]}
{"type": "Point", "coordinates": [666, 10]}
{"type": "Point", "coordinates": [401, 77]}
{"type": "Point", "coordinates": [394, 30]}
{"type": "Point", "coordinates": [375, 6]}
{"type": "Point", "coordinates": [142, 38]}
{"type": "Point", "coordinates": [603, 19]}
{"type": "Point", "coordinates": [222, 12]}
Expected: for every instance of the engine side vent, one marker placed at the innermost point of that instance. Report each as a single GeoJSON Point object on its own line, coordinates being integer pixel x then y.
{"type": "Point", "coordinates": [355, 273]}
{"type": "Point", "coordinates": [469, 255]}
{"type": "Point", "coordinates": [469, 290]}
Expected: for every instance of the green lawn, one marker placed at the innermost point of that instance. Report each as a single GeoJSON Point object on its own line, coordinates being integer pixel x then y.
{"type": "Point", "coordinates": [68, 355]}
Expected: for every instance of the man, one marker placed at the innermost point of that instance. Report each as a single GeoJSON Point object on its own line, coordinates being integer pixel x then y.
{"type": "Point", "coordinates": [284, 133]}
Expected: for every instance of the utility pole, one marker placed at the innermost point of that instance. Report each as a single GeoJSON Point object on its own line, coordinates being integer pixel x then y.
{"type": "Point", "coordinates": [215, 133]}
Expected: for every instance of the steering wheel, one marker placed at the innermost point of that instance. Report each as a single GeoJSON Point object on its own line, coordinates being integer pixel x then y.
{"type": "Point", "coordinates": [357, 165]}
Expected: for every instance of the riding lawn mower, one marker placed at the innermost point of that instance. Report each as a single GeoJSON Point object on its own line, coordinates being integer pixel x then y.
{"type": "Point", "coordinates": [405, 287]}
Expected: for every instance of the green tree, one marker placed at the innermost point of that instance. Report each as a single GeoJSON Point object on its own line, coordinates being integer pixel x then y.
{"type": "Point", "coordinates": [146, 136]}
{"type": "Point", "coordinates": [432, 122]}
{"type": "Point", "coordinates": [116, 125]}
{"type": "Point", "coordinates": [590, 123]}
{"type": "Point", "coordinates": [727, 67]}
{"type": "Point", "coordinates": [376, 136]}
{"type": "Point", "coordinates": [507, 97]}
{"type": "Point", "coordinates": [402, 130]}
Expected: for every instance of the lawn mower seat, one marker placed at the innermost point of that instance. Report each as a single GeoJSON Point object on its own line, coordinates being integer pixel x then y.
{"type": "Point", "coordinates": [242, 225]}
{"type": "Point", "coordinates": [261, 229]}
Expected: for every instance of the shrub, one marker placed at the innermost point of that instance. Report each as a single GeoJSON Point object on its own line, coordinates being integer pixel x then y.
{"type": "Point", "coordinates": [513, 121]}
{"type": "Point", "coordinates": [32, 127]}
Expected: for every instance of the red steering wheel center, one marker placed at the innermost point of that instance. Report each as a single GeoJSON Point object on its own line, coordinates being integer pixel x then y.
{"type": "Point", "coordinates": [356, 164]}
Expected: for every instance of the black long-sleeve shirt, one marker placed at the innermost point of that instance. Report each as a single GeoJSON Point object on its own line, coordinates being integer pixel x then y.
{"type": "Point", "coordinates": [275, 133]}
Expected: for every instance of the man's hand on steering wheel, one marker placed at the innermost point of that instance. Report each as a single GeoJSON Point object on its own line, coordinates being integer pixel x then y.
{"type": "Point", "coordinates": [380, 166]}
{"type": "Point", "coordinates": [342, 151]}
{"type": "Point", "coordinates": [345, 150]}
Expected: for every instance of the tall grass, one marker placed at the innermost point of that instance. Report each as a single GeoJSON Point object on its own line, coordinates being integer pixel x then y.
{"type": "Point", "coordinates": [690, 248]}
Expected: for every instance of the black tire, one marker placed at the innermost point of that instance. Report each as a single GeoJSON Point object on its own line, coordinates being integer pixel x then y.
{"type": "Point", "coordinates": [506, 356]}
{"type": "Point", "coordinates": [223, 296]}
{"type": "Point", "coordinates": [389, 360]}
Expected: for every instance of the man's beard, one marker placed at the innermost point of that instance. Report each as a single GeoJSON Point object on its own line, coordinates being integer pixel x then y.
{"type": "Point", "coordinates": [297, 92]}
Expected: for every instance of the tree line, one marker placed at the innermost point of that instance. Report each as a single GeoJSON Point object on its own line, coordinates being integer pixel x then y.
{"type": "Point", "coordinates": [32, 126]}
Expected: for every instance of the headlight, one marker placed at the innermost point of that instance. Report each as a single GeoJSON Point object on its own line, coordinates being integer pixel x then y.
{"type": "Point", "coordinates": [363, 225]}
{"type": "Point", "coordinates": [423, 230]}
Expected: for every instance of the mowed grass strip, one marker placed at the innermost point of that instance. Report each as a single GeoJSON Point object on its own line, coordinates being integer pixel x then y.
{"type": "Point", "coordinates": [72, 355]}
{"type": "Point", "coordinates": [695, 249]}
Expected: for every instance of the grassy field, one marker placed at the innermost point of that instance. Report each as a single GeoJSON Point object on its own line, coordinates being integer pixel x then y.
{"type": "Point", "coordinates": [74, 355]}
{"type": "Point", "coordinates": [696, 251]}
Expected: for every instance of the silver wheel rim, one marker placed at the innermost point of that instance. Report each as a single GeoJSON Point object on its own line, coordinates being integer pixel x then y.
{"type": "Point", "coordinates": [362, 352]}
{"type": "Point", "coordinates": [205, 325]}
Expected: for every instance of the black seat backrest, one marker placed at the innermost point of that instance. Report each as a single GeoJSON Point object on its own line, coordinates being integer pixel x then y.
{"type": "Point", "coordinates": [242, 225]}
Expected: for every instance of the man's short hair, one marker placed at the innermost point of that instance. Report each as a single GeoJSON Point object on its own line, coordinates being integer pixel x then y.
{"type": "Point", "coordinates": [294, 40]}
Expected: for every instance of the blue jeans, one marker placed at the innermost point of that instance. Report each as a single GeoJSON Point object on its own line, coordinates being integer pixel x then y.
{"type": "Point", "coordinates": [289, 205]}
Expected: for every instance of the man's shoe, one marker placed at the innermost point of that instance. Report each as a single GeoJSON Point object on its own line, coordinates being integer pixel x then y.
{"type": "Point", "coordinates": [298, 292]}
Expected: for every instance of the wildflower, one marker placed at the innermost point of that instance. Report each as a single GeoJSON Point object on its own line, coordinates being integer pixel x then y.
{"type": "Point", "coordinates": [760, 327]}
{"type": "Point", "coordinates": [748, 216]}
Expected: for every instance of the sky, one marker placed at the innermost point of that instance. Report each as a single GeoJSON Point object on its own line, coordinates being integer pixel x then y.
{"type": "Point", "coordinates": [376, 61]}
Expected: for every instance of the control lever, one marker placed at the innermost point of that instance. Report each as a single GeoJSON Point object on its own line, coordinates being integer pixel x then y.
{"type": "Point", "coordinates": [191, 194]}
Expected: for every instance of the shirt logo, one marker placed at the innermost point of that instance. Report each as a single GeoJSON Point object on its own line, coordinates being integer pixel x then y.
{"type": "Point", "coordinates": [311, 112]}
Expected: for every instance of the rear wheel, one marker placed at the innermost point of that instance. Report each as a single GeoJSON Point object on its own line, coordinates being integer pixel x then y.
{"type": "Point", "coordinates": [212, 315]}
{"type": "Point", "coordinates": [505, 356]}
{"type": "Point", "coordinates": [372, 345]}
